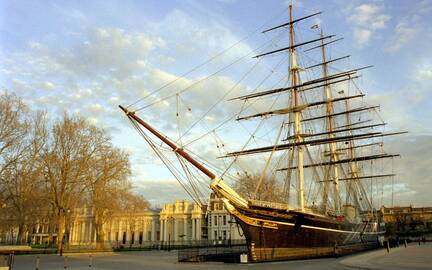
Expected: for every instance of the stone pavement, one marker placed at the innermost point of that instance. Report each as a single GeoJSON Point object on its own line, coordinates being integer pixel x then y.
{"type": "Point", "coordinates": [157, 260]}
{"type": "Point", "coordinates": [413, 257]}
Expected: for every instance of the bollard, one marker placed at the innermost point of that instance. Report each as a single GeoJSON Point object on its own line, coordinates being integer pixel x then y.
{"type": "Point", "coordinates": [91, 261]}
{"type": "Point", "coordinates": [388, 247]}
{"type": "Point", "coordinates": [11, 261]}
{"type": "Point", "coordinates": [65, 263]}
{"type": "Point", "coordinates": [405, 243]}
{"type": "Point", "coordinates": [37, 262]}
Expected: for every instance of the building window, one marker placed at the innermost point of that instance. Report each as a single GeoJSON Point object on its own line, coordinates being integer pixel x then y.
{"type": "Point", "coordinates": [149, 236]}
{"type": "Point", "coordinates": [116, 236]}
{"type": "Point", "coordinates": [140, 238]}
{"type": "Point", "coordinates": [216, 221]}
{"type": "Point", "coordinates": [124, 238]}
{"type": "Point", "coordinates": [224, 235]}
{"type": "Point", "coordinates": [224, 220]}
{"type": "Point", "coordinates": [215, 234]}
{"type": "Point", "coordinates": [132, 238]}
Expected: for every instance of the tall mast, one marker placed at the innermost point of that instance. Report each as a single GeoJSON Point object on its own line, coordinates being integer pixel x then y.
{"type": "Point", "coordinates": [353, 168]}
{"type": "Point", "coordinates": [329, 125]}
{"type": "Point", "coordinates": [297, 114]}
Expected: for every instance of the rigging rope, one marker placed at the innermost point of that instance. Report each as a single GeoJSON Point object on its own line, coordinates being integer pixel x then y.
{"type": "Point", "coordinates": [220, 100]}
{"type": "Point", "coordinates": [253, 51]}
{"type": "Point", "coordinates": [268, 161]}
{"type": "Point", "coordinates": [207, 61]}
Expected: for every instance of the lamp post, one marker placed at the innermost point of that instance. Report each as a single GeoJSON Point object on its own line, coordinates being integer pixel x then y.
{"type": "Point", "coordinates": [65, 238]}
{"type": "Point", "coordinates": [169, 227]}
{"type": "Point", "coordinates": [67, 224]}
{"type": "Point", "coordinates": [230, 222]}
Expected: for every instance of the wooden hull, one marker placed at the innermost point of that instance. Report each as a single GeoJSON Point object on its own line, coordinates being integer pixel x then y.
{"type": "Point", "coordinates": [277, 238]}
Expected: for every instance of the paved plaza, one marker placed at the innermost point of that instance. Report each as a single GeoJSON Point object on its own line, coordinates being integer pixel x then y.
{"type": "Point", "coordinates": [413, 257]}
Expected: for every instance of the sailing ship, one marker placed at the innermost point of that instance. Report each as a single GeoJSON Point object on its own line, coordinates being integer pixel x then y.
{"type": "Point", "coordinates": [341, 217]}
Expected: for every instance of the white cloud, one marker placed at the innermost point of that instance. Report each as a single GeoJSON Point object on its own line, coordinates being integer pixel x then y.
{"type": "Point", "coordinates": [404, 32]}
{"type": "Point", "coordinates": [189, 37]}
{"type": "Point", "coordinates": [424, 73]}
{"type": "Point", "coordinates": [367, 19]}
{"type": "Point", "coordinates": [406, 107]}
{"type": "Point", "coordinates": [362, 36]}
{"type": "Point", "coordinates": [110, 51]}
{"type": "Point", "coordinates": [414, 174]}
{"type": "Point", "coordinates": [35, 45]}
{"type": "Point", "coordinates": [47, 85]}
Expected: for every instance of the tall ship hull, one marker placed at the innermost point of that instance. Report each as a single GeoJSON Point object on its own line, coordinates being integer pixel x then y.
{"type": "Point", "coordinates": [310, 193]}
{"type": "Point", "coordinates": [296, 236]}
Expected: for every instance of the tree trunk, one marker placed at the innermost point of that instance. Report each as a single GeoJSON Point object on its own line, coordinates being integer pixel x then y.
{"type": "Point", "coordinates": [100, 237]}
{"type": "Point", "coordinates": [21, 232]}
{"type": "Point", "coordinates": [60, 234]}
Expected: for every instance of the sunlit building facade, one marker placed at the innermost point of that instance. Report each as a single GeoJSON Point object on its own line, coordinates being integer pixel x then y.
{"type": "Point", "coordinates": [180, 223]}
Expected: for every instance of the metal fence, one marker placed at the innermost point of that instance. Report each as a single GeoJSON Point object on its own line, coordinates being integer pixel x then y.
{"type": "Point", "coordinates": [6, 261]}
{"type": "Point", "coordinates": [214, 251]}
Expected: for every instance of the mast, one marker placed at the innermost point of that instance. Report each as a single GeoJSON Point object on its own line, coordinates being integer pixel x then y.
{"type": "Point", "coordinates": [329, 126]}
{"type": "Point", "coordinates": [353, 168]}
{"type": "Point", "coordinates": [353, 171]}
{"type": "Point", "coordinates": [294, 70]}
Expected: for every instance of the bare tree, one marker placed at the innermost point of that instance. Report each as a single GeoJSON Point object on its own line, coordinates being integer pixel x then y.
{"type": "Point", "coordinates": [23, 136]}
{"type": "Point", "coordinates": [269, 189]}
{"type": "Point", "coordinates": [131, 204]}
{"type": "Point", "coordinates": [72, 145]}
{"type": "Point", "coordinates": [109, 181]}
{"type": "Point", "coordinates": [13, 127]}
{"type": "Point", "coordinates": [49, 171]}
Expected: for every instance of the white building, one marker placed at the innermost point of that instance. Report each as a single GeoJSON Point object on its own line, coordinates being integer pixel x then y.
{"type": "Point", "coordinates": [182, 221]}
{"type": "Point", "coordinates": [140, 228]}
{"type": "Point", "coordinates": [179, 223]}
{"type": "Point", "coordinates": [221, 225]}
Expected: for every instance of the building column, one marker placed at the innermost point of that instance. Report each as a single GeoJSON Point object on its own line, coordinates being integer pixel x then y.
{"type": "Point", "coordinates": [82, 234]}
{"type": "Point", "coordinates": [193, 229]}
{"type": "Point", "coordinates": [91, 232]}
{"type": "Point", "coordinates": [199, 236]}
{"type": "Point", "coordinates": [185, 229]}
{"type": "Point", "coordinates": [76, 231]}
{"type": "Point", "coordinates": [165, 226]}
{"type": "Point", "coordinates": [175, 230]}
{"type": "Point", "coordinates": [153, 230]}
{"type": "Point", "coordinates": [144, 229]}
{"type": "Point", "coordinates": [71, 232]}
{"type": "Point", "coordinates": [162, 231]}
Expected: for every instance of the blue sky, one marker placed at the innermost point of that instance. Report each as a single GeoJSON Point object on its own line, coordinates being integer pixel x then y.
{"type": "Point", "coordinates": [88, 56]}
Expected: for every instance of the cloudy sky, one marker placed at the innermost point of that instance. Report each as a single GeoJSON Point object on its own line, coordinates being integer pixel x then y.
{"type": "Point", "coordinates": [89, 56]}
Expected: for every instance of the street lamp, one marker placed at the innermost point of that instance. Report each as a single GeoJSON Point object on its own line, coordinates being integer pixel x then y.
{"type": "Point", "coordinates": [169, 227]}
{"type": "Point", "coordinates": [230, 222]}
{"type": "Point", "coordinates": [65, 238]}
